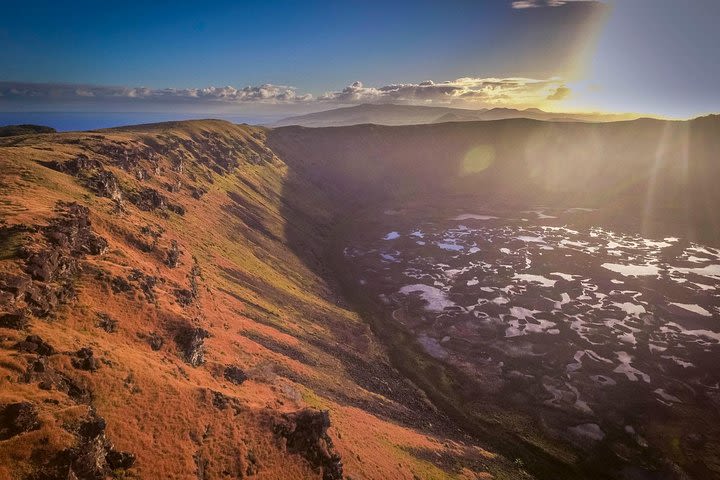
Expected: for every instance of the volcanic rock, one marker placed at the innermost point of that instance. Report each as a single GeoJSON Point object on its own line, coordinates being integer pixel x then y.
{"type": "Point", "coordinates": [173, 255]}
{"type": "Point", "coordinates": [149, 199]}
{"type": "Point", "coordinates": [234, 374]}
{"type": "Point", "coordinates": [35, 344]}
{"type": "Point", "coordinates": [107, 323]}
{"type": "Point", "coordinates": [14, 320]}
{"type": "Point", "coordinates": [73, 231]}
{"type": "Point", "coordinates": [16, 285]}
{"type": "Point", "coordinates": [17, 418]}
{"type": "Point", "coordinates": [184, 296]}
{"type": "Point", "coordinates": [85, 360]}
{"type": "Point", "coordinates": [190, 341]}
{"type": "Point", "coordinates": [105, 184]}
{"type": "Point", "coordinates": [93, 457]}
{"type": "Point", "coordinates": [305, 432]}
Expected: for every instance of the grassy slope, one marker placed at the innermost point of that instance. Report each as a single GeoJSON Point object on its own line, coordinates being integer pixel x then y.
{"type": "Point", "coordinates": [266, 310]}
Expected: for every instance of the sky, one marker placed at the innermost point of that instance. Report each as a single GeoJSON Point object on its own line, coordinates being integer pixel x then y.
{"type": "Point", "coordinates": [265, 60]}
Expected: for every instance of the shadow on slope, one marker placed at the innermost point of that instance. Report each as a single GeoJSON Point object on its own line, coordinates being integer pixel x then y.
{"type": "Point", "coordinates": [648, 176]}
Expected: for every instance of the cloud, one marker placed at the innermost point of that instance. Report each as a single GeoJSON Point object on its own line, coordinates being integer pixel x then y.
{"type": "Point", "coordinates": [560, 93]}
{"type": "Point", "coordinates": [262, 93]}
{"type": "Point", "coordinates": [523, 4]}
{"type": "Point", "coordinates": [470, 91]}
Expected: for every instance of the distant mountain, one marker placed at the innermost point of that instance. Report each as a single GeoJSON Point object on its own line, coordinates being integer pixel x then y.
{"type": "Point", "coordinates": [389, 114]}
{"type": "Point", "coordinates": [12, 130]}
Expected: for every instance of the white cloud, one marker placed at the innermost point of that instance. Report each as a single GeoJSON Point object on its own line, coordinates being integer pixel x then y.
{"type": "Point", "coordinates": [471, 91]}
{"type": "Point", "coordinates": [262, 93]}
{"type": "Point", "coordinates": [515, 91]}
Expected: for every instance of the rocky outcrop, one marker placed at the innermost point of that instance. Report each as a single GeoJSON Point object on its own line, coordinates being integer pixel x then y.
{"type": "Point", "coordinates": [35, 344]}
{"type": "Point", "coordinates": [175, 208]}
{"type": "Point", "coordinates": [52, 264]}
{"type": "Point", "coordinates": [222, 401]}
{"type": "Point", "coordinates": [172, 258]}
{"type": "Point", "coordinates": [149, 199]}
{"type": "Point", "coordinates": [105, 184]}
{"type": "Point", "coordinates": [107, 323]}
{"type": "Point", "coordinates": [145, 282]}
{"type": "Point", "coordinates": [93, 457]}
{"type": "Point", "coordinates": [72, 231]}
{"type": "Point", "coordinates": [121, 285]}
{"type": "Point", "coordinates": [79, 165]}
{"type": "Point", "coordinates": [85, 360]}
{"type": "Point", "coordinates": [93, 174]}
{"type": "Point", "coordinates": [305, 433]}
{"type": "Point", "coordinates": [190, 340]}
{"type": "Point", "coordinates": [18, 418]}
{"type": "Point", "coordinates": [51, 267]}
{"type": "Point", "coordinates": [184, 296]}
{"type": "Point", "coordinates": [234, 374]}
{"type": "Point", "coordinates": [198, 192]}
{"type": "Point", "coordinates": [14, 320]}
{"type": "Point", "coordinates": [41, 371]}
{"type": "Point", "coordinates": [15, 286]}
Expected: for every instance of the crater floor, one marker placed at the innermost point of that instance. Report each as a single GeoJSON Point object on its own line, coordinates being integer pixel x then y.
{"type": "Point", "coordinates": [597, 333]}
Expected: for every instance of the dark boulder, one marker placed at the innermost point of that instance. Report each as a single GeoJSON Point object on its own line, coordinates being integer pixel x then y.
{"type": "Point", "coordinates": [16, 285]}
{"type": "Point", "coordinates": [149, 199]}
{"type": "Point", "coordinates": [190, 340]}
{"type": "Point", "coordinates": [17, 418]}
{"type": "Point", "coordinates": [198, 192]}
{"type": "Point", "coordinates": [222, 402]}
{"type": "Point", "coordinates": [120, 285]}
{"type": "Point", "coordinates": [147, 283]}
{"type": "Point", "coordinates": [176, 208]}
{"type": "Point", "coordinates": [172, 259]}
{"type": "Point", "coordinates": [14, 320]}
{"type": "Point", "coordinates": [184, 296]}
{"type": "Point", "coordinates": [305, 433]}
{"type": "Point", "coordinates": [234, 374]}
{"type": "Point", "coordinates": [72, 231]}
{"type": "Point", "coordinates": [120, 460]}
{"type": "Point", "coordinates": [35, 344]}
{"type": "Point", "coordinates": [52, 264]}
{"type": "Point", "coordinates": [105, 184]}
{"type": "Point", "coordinates": [85, 360]}
{"type": "Point", "coordinates": [94, 456]}
{"type": "Point", "coordinates": [42, 298]}
{"type": "Point", "coordinates": [107, 323]}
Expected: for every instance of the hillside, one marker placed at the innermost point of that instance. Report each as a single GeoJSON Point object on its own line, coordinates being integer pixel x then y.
{"type": "Point", "coordinates": [173, 305]}
{"type": "Point", "coordinates": [390, 114]}
{"type": "Point", "coordinates": [154, 320]}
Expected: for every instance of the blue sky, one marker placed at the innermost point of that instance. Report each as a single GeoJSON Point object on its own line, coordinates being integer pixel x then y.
{"type": "Point", "coordinates": [651, 56]}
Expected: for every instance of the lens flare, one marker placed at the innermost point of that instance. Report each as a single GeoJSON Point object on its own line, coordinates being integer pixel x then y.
{"type": "Point", "coordinates": [478, 159]}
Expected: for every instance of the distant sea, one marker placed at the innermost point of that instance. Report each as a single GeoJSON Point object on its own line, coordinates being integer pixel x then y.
{"type": "Point", "coordinates": [69, 121]}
